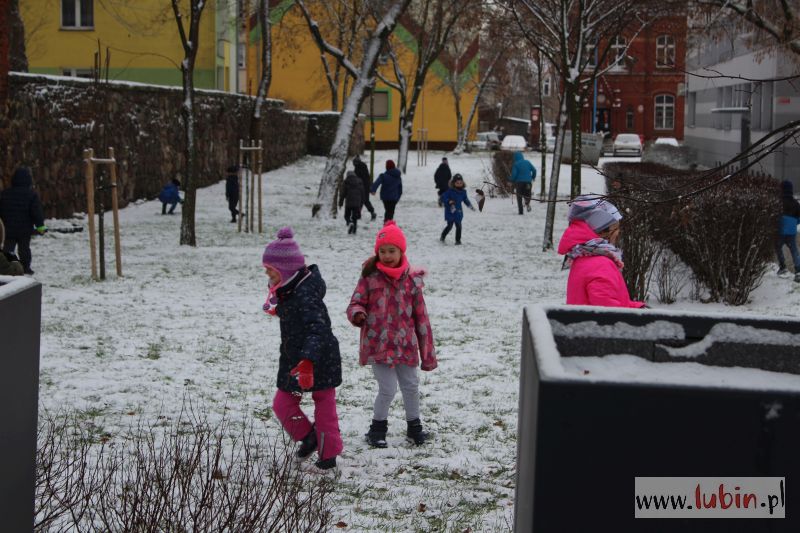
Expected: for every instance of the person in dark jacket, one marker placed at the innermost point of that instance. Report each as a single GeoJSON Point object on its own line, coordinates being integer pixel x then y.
{"type": "Point", "coordinates": [9, 264]}
{"type": "Point", "coordinates": [787, 234]}
{"type": "Point", "coordinates": [309, 353]}
{"type": "Point", "coordinates": [363, 172]}
{"type": "Point", "coordinates": [232, 190]}
{"type": "Point", "coordinates": [169, 195]}
{"type": "Point", "coordinates": [351, 195]}
{"type": "Point", "coordinates": [21, 212]}
{"type": "Point", "coordinates": [442, 178]}
{"type": "Point", "coordinates": [391, 185]}
{"type": "Point", "coordinates": [452, 199]}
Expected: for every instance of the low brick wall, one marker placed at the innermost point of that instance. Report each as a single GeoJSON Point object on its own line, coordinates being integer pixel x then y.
{"type": "Point", "coordinates": [51, 120]}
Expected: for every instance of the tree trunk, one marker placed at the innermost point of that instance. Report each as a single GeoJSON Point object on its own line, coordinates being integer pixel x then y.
{"type": "Point", "coordinates": [266, 69]}
{"type": "Point", "coordinates": [547, 241]}
{"type": "Point", "coordinates": [190, 153]}
{"type": "Point", "coordinates": [18, 58]}
{"type": "Point", "coordinates": [574, 102]}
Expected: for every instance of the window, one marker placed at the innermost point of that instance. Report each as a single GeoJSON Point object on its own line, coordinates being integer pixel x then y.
{"type": "Point", "coordinates": [546, 86]}
{"type": "Point", "coordinates": [77, 13]}
{"type": "Point", "coordinates": [591, 55]}
{"type": "Point", "coordinates": [727, 101]}
{"type": "Point", "coordinates": [629, 119]}
{"type": "Point", "coordinates": [618, 46]}
{"type": "Point", "coordinates": [767, 93]}
{"type": "Point", "coordinates": [692, 109]}
{"type": "Point", "coordinates": [380, 105]}
{"type": "Point", "coordinates": [718, 103]}
{"type": "Point", "coordinates": [78, 72]}
{"type": "Point", "coordinates": [241, 55]}
{"type": "Point", "coordinates": [665, 112]}
{"type": "Point", "coordinates": [665, 51]}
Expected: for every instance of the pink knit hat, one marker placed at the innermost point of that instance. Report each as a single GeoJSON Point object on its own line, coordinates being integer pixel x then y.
{"type": "Point", "coordinates": [284, 254]}
{"type": "Point", "coordinates": [390, 233]}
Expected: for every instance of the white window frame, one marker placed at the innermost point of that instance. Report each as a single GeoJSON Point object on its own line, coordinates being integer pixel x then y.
{"type": "Point", "coordinates": [618, 47]}
{"type": "Point", "coordinates": [665, 49]}
{"type": "Point", "coordinates": [79, 25]}
{"type": "Point", "coordinates": [663, 107]}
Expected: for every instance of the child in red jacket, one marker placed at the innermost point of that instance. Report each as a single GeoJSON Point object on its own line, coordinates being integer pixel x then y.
{"type": "Point", "coordinates": [396, 334]}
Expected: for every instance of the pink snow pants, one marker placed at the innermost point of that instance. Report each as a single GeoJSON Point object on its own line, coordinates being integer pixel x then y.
{"type": "Point", "coordinates": [326, 422]}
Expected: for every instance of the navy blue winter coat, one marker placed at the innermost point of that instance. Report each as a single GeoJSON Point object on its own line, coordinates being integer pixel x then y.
{"type": "Point", "coordinates": [20, 208]}
{"type": "Point", "coordinates": [391, 184]}
{"type": "Point", "coordinates": [231, 186]}
{"type": "Point", "coordinates": [169, 194]}
{"type": "Point", "coordinates": [306, 332]}
{"type": "Point", "coordinates": [457, 196]}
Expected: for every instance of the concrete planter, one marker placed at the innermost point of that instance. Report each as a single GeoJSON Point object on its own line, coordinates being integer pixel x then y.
{"type": "Point", "coordinates": [20, 320]}
{"type": "Point", "coordinates": [591, 419]}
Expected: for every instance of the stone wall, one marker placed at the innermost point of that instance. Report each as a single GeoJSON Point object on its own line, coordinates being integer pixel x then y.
{"type": "Point", "coordinates": [51, 120]}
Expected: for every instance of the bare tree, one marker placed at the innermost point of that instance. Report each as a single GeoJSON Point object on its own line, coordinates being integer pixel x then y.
{"type": "Point", "coordinates": [432, 22]}
{"type": "Point", "coordinates": [266, 68]}
{"type": "Point", "coordinates": [190, 41]}
{"type": "Point", "coordinates": [363, 78]}
{"type": "Point", "coordinates": [576, 38]}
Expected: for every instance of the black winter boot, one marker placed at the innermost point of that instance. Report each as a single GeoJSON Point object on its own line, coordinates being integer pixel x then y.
{"type": "Point", "coordinates": [308, 445]}
{"type": "Point", "coordinates": [376, 436]}
{"type": "Point", "coordinates": [415, 433]}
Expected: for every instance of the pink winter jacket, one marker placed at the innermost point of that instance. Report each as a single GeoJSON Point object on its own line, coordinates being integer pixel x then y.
{"type": "Point", "coordinates": [593, 280]}
{"type": "Point", "coordinates": [397, 330]}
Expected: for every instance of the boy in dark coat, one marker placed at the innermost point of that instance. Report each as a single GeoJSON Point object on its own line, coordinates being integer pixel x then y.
{"type": "Point", "coordinates": [442, 178]}
{"type": "Point", "coordinates": [787, 234]}
{"type": "Point", "coordinates": [453, 212]}
{"type": "Point", "coordinates": [169, 195]}
{"type": "Point", "coordinates": [363, 172]}
{"type": "Point", "coordinates": [9, 264]}
{"type": "Point", "coordinates": [232, 190]}
{"type": "Point", "coordinates": [309, 352]}
{"type": "Point", "coordinates": [351, 195]}
{"type": "Point", "coordinates": [391, 185]}
{"type": "Point", "coordinates": [21, 212]}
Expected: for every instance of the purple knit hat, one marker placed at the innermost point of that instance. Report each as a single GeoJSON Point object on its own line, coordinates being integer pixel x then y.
{"type": "Point", "coordinates": [283, 254]}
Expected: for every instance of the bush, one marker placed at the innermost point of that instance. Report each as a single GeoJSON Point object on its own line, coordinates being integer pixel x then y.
{"type": "Point", "coordinates": [502, 163]}
{"type": "Point", "coordinates": [722, 230]}
{"type": "Point", "coordinates": [187, 477]}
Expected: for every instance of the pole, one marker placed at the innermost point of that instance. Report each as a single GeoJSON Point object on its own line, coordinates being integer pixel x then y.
{"type": "Point", "coordinates": [89, 170]}
{"type": "Point", "coordinates": [239, 172]}
{"type": "Point", "coordinates": [251, 214]}
{"type": "Point", "coordinates": [101, 226]}
{"type": "Point", "coordinates": [115, 210]}
{"type": "Point", "coordinates": [259, 156]}
{"type": "Point", "coordinates": [745, 136]}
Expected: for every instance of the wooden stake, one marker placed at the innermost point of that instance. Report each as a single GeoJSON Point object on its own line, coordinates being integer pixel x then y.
{"type": "Point", "coordinates": [251, 214]}
{"type": "Point", "coordinates": [89, 170]}
{"type": "Point", "coordinates": [115, 209]}
{"type": "Point", "coordinates": [260, 213]}
{"type": "Point", "coordinates": [239, 172]}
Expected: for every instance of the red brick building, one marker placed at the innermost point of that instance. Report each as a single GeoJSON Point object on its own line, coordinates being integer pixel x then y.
{"type": "Point", "coordinates": [644, 94]}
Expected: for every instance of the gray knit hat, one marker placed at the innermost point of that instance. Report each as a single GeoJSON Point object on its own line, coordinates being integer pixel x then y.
{"type": "Point", "coordinates": [599, 213]}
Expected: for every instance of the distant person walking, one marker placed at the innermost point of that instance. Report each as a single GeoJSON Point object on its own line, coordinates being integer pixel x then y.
{"type": "Point", "coordinates": [21, 212]}
{"type": "Point", "coordinates": [522, 175]}
{"type": "Point", "coordinates": [442, 178]}
{"type": "Point", "coordinates": [351, 196]}
{"type": "Point", "coordinates": [232, 190]}
{"type": "Point", "coordinates": [391, 185]}
{"type": "Point", "coordinates": [170, 196]}
{"type": "Point", "coordinates": [362, 172]}
{"type": "Point", "coordinates": [787, 234]}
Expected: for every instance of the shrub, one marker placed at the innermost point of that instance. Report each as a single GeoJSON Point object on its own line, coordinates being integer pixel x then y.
{"type": "Point", "coordinates": [502, 162]}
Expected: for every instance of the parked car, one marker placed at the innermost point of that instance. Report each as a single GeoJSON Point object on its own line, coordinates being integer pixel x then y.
{"type": "Point", "coordinates": [671, 141]}
{"type": "Point", "coordinates": [486, 140]}
{"type": "Point", "coordinates": [514, 143]}
{"type": "Point", "coordinates": [627, 143]}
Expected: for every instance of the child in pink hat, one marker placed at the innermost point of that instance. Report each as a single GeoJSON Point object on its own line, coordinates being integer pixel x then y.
{"type": "Point", "coordinates": [309, 352]}
{"type": "Point", "coordinates": [396, 336]}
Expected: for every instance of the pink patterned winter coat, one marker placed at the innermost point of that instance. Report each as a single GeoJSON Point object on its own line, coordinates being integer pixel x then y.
{"type": "Point", "coordinates": [397, 330]}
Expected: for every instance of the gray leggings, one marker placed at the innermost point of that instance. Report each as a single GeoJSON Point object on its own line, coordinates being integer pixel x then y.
{"type": "Point", "coordinates": [388, 378]}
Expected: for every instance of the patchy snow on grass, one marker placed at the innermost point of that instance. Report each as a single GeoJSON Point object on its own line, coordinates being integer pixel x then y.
{"type": "Point", "coordinates": [187, 322]}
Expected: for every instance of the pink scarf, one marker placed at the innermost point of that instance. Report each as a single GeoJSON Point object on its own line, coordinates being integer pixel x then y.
{"type": "Point", "coordinates": [394, 272]}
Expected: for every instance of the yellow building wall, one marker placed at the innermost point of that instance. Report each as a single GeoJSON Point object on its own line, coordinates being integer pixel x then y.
{"type": "Point", "coordinates": [141, 35]}
{"type": "Point", "coordinates": [299, 79]}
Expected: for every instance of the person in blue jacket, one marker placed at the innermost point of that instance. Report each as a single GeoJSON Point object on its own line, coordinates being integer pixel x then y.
{"type": "Point", "coordinates": [452, 199]}
{"type": "Point", "coordinates": [169, 196]}
{"type": "Point", "coordinates": [787, 234]}
{"type": "Point", "coordinates": [522, 175]}
{"type": "Point", "coordinates": [391, 184]}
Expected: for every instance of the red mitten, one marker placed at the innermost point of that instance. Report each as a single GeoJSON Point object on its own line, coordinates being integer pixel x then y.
{"type": "Point", "coordinates": [429, 364]}
{"type": "Point", "coordinates": [304, 372]}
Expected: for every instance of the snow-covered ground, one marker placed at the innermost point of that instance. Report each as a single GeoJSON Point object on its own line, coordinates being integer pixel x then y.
{"type": "Point", "coordinates": [187, 322]}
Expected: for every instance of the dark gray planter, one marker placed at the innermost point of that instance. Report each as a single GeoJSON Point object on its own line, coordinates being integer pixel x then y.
{"type": "Point", "coordinates": [582, 440]}
{"type": "Point", "coordinates": [20, 320]}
